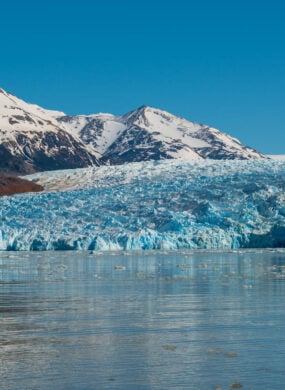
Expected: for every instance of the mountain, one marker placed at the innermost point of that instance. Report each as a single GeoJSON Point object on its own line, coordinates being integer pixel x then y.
{"type": "Point", "coordinates": [34, 139]}
{"type": "Point", "coordinates": [153, 134]}
{"type": "Point", "coordinates": [31, 139]}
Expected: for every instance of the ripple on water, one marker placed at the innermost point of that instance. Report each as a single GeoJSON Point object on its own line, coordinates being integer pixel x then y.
{"type": "Point", "coordinates": [155, 321]}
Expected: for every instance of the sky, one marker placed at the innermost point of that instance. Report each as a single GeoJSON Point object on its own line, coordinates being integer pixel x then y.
{"type": "Point", "coordinates": [221, 63]}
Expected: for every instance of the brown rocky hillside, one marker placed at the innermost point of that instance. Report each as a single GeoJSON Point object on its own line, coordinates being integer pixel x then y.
{"type": "Point", "coordinates": [10, 185]}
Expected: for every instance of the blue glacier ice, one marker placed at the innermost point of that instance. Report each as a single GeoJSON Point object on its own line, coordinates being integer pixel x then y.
{"type": "Point", "coordinates": [171, 204]}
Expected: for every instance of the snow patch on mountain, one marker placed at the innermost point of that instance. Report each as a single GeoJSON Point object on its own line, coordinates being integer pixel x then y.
{"type": "Point", "coordinates": [14, 112]}
{"type": "Point", "coordinates": [98, 131]}
{"type": "Point", "coordinates": [278, 157]}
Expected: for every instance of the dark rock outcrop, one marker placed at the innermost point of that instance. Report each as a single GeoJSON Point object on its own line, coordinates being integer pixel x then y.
{"type": "Point", "coordinates": [10, 185]}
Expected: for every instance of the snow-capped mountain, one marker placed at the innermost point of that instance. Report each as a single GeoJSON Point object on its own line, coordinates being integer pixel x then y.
{"type": "Point", "coordinates": [31, 139]}
{"type": "Point", "coordinates": [153, 134]}
{"type": "Point", "coordinates": [34, 139]}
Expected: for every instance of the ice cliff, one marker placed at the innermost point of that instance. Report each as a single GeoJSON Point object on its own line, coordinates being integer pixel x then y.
{"type": "Point", "coordinates": [169, 204]}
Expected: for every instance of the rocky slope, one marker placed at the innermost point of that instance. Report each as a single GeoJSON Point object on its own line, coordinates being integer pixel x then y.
{"type": "Point", "coordinates": [10, 185]}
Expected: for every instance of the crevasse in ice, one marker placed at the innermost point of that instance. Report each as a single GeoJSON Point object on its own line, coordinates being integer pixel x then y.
{"type": "Point", "coordinates": [168, 204]}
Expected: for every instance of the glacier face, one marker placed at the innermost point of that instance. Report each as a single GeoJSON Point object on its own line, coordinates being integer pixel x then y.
{"type": "Point", "coordinates": [169, 204]}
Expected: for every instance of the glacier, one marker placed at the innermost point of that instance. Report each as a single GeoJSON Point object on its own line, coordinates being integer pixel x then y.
{"type": "Point", "coordinates": [166, 204]}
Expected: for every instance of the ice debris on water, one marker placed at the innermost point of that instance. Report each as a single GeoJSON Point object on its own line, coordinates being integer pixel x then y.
{"type": "Point", "coordinates": [171, 204]}
{"type": "Point", "coordinates": [236, 385]}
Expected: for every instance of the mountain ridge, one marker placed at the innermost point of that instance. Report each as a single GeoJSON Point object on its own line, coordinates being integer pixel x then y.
{"type": "Point", "coordinates": [35, 139]}
{"type": "Point", "coordinates": [150, 133]}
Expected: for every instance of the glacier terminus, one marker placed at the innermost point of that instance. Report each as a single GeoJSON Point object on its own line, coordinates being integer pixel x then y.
{"type": "Point", "coordinates": [166, 204]}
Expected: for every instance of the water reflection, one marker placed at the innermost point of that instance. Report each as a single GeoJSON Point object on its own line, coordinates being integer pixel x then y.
{"type": "Point", "coordinates": [180, 320]}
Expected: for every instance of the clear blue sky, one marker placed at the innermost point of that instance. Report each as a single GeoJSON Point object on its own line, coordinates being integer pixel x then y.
{"type": "Point", "coordinates": [218, 62]}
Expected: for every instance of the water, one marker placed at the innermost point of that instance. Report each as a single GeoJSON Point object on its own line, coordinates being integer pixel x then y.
{"type": "Point", "coordinates": [184, 320]}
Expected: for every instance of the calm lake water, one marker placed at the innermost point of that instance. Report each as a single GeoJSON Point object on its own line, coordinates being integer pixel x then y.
{"type": "Point", "coordinates": [73, 320]}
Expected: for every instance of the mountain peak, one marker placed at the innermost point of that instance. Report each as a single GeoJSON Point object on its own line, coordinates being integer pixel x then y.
{"type": "Point", "coordinates": [145, 108]}
{"type": "Point", "coordinates": [144, 115]}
